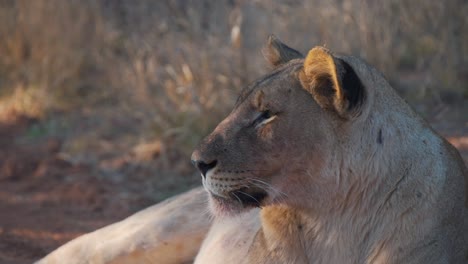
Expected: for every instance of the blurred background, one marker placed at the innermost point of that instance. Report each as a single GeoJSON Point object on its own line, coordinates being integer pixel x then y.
{"type": "Point", "coordinates": [102, 101]}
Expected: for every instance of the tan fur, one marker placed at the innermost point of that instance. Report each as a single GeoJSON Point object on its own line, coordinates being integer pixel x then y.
{"type": "Point", "coordinates": [168, 233]}
{"type": "Point", "coordinates": [319, 66]}
{"type": "Point", "coordinates": [318, 63]}
{"type": "Point", "coordinates": [379, 186]}
{"type": "Point", "coordinates": [339, 177]}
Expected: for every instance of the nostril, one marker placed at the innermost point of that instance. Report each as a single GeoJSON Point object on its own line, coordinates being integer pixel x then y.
{"type": "Point", "coordinates": [205, 167]}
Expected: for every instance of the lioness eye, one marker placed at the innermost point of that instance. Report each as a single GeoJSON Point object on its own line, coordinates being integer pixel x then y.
{"type": "Point", "coordinates": [265, 117]}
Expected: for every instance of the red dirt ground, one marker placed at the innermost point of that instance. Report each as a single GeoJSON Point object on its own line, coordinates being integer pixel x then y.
{"type": "Point", "coordinates": [46, 201]}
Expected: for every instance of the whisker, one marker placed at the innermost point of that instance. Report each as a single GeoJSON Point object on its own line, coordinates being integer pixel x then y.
{"type": "Point", "coordinates": [206, 210]}
{"type": "Point", "coordinates": [238, 199]}
{"type": "Point", "coordinates": [250, 196]}
{"type": "Point", "coordinates": [278, 195]}
{"type": "Point", "coordinates": [209, 214]}
{"type": "Point", "coordinates": [268, 186]}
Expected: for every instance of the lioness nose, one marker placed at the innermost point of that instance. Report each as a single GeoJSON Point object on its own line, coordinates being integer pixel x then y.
{"type": "Point", "coordinates": [204, 167]}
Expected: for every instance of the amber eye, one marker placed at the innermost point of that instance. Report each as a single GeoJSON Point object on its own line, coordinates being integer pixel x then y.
{"type": "Point", "coordinates": [265, 117]}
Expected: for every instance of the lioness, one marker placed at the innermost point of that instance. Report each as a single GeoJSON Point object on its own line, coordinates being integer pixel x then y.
{"type": "Point", "coordinates": [343, 169]}
{"type": "Point", "coordinates": [319, 162]}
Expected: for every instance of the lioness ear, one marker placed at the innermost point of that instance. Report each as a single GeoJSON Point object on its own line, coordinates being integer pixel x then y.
{"type": "Point", "coordinates": [332, 82]}
{"type": "Point", "coordinates": [277, 53]}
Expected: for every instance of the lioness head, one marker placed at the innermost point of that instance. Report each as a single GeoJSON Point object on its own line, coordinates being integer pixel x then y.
{"type": "Point", "coordinates": [281, 138]}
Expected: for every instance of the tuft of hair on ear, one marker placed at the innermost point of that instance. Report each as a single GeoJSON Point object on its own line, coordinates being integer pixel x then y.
{"type": "Point", "coordinates": [333, 83]}
{"type": "Point", "coordinates": [278, 53]}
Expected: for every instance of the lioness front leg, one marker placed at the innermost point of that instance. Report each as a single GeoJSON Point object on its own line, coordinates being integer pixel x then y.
{"type": "Point", "coordinates": [170, 232]}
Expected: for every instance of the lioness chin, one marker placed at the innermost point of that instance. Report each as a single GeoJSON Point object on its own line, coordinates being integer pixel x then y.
{"type": "Point", "coordinates": [319, 162]}
{"type": "Point", "coordinates": [341, 167]}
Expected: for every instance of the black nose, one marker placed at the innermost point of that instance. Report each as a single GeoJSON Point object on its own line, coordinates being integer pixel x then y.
{"type": "Point", "coordinates": [204, 167]}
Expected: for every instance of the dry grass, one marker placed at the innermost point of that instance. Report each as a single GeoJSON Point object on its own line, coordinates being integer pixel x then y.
{"type": "Point", "coordinates": [119, 92]}
{"type": "Point", "coordinates": [175, 66]}
{"type": "Point", "coordinates": [22, 102]}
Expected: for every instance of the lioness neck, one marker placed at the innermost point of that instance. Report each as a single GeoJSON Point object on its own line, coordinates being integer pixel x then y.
{"type": "Point", "coordinates": [371, 217]}
{"type": "Point", "coordinates": [312, 238]}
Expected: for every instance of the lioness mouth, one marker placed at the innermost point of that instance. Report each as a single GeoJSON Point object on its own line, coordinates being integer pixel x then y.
{"type": "Point", "coordinates": [249, 196]}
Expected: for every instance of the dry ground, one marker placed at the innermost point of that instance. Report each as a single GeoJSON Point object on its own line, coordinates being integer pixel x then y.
{"type": "Point", "coordinates": [48, 198]}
